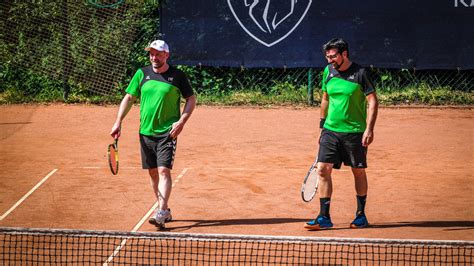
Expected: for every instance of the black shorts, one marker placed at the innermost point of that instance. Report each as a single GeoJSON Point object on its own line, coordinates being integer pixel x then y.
{"type": "Point", "coordinates": [338, 148]}
{"type": "Point", "coordinates": [157, 151]}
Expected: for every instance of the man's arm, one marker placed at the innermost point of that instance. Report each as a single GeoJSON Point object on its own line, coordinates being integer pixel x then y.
{"type": "Point", "coordinates": [323, 112]}
{"type": "Point", "coordinates": [125, 106]}
{"type": "Point", "coordinates": [324, 106]}
{"type": "Point", "coordinates": [187, 111]}
{"type": "Point", "coordinates": [368, 136]}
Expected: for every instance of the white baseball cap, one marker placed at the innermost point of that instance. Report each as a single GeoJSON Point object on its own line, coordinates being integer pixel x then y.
{"type": "Point", "coordinates": [158, 45]}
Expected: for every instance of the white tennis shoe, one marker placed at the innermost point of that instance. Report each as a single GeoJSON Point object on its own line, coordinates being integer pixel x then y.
{"type": "Point", "coordinates": [159, 218]}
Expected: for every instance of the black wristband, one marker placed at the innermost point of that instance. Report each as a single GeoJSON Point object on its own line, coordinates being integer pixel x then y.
{"type": "Point", "coordinates": [321, 122]}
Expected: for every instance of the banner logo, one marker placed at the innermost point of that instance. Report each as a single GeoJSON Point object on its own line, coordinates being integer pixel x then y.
{"type": "Point", "coordinates": [463, 3]}
{"type": "Point", "coordinates": [269, 22]}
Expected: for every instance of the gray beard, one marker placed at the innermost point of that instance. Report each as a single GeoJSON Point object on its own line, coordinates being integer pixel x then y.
{"type": "Point", "coordinates": [157, 65]}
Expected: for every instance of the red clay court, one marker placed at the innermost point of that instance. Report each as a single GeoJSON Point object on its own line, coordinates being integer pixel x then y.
{"type": "Point", "coordinates": [237, 171]}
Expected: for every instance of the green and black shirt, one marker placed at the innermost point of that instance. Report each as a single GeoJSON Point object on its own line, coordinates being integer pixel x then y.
{"type": "Point", "coordinates": [347, 92]}
{"type": "Point", "coordinates": [160, 97]}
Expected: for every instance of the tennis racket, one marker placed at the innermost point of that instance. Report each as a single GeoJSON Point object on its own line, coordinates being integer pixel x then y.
{"type": "Point", "coordinates": [112, 152]}
{"type": "Point", "coordinates": [310, 183]}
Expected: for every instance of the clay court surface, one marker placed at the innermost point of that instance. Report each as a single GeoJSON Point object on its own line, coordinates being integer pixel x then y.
{"type": "Point", "coordinates": [237, 171]}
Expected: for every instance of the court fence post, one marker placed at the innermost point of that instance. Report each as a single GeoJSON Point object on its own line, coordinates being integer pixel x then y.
{"type": "Point", "coordinates": [310, 87]}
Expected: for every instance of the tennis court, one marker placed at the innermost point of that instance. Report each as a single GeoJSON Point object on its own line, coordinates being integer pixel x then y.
{"type": "Point", "coordinates": [237, 171]}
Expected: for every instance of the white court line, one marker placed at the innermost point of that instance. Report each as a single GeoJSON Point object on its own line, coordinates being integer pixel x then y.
{"type": "Point", "coordinates": [27, 195]}
{"type": "Point", "coordinates": [100, 167]}
{"type": "Point", "coordinates": [140, 223]}
{"type": "Point", "coordinates": [301, 169]}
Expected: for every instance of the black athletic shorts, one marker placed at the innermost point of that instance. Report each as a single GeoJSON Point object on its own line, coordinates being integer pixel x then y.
{"type": "Point", "coordinates": [338, 148]}
{"type": "Point", "coordinates": [157, 151]}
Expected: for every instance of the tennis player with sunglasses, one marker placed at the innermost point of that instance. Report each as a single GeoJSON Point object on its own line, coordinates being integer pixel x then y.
{"type": "Point", "coordinates": [160, 87]}
{"type": "Point", "coordinates": [347, 129]}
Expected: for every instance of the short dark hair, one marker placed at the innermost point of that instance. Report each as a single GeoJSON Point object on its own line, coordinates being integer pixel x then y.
{"type": "Point", "coordinates": [336, 43]}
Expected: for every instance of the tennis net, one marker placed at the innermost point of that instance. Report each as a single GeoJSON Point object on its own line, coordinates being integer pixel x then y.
{"type": "Point", "coordinates": [63, 246]}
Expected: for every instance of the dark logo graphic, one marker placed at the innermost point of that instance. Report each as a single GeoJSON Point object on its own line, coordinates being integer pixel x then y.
{"type": "Point", "coordinates": [269, 21]}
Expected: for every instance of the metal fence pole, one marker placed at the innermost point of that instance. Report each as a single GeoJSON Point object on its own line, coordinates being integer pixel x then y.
{"type": "Point", "coordinates": [310, 87]}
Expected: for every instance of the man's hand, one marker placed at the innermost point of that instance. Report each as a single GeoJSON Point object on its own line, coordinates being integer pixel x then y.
{"type": "Point", "coordinates": [367, 138]}
{"type": "Point", "coordinates": [178, 126]}
{"type": "Point", "coordinates": [176, 129]}
{"type": "Point", "coordinates": [115, 131]}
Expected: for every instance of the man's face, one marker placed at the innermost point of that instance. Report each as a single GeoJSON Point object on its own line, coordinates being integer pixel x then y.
{"type": "Point", "coordinates": [335, 58]}
{"type": "Point", "coordinates": [158, 58]}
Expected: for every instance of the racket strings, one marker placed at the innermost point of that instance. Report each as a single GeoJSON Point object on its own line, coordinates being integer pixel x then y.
{"type": "Point", "coordinates": [113, 158]}
{"type": "Point", "coordinates": [310, 185]}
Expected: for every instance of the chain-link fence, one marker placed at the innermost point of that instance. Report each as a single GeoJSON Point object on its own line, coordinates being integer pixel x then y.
{"type": "Point", "coordinates": [86, 46]}
{"type": "Point", "coordinates": [308, 80]}
{"type": "Point", "coordinates": [83, 45]}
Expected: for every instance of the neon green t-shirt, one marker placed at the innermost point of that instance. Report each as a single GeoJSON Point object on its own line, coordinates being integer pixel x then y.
{"type": "Point", "coordinates": [160, 96]}
{"type": "Point", "coordinates": [347, 91]}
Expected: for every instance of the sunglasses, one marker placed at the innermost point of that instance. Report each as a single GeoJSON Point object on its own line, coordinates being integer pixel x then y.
{"type": "Point", "coordinates": [333, 56]}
